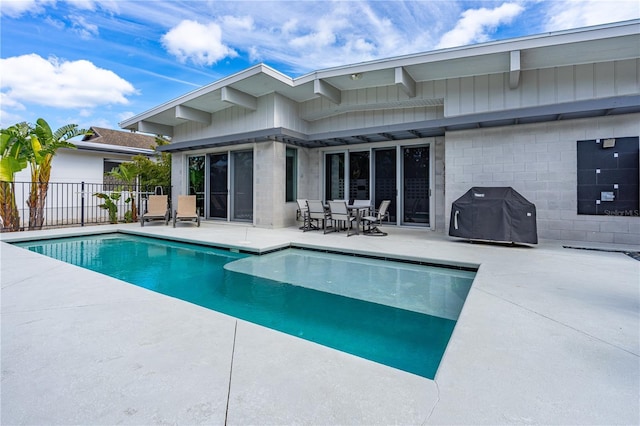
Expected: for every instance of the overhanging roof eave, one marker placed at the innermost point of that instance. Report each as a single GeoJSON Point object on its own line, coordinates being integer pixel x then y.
{"type": "Point", "coordinates": [422, 129]}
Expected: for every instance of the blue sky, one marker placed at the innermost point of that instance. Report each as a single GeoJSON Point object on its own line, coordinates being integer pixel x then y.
{"type": "Point", "coordinates": [95, 63]}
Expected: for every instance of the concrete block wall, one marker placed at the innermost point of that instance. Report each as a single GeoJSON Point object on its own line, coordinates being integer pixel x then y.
{"type": "Point", "coordinates": [178, 180]}
{"type": "Point", "coordinates": [268, 185]}
{"type": "Point", "coordinates": [439, 185]}
{"type": "Point", "coordinates": [271, 210]}
{"type": "Point", "coordinates": [540, 162]}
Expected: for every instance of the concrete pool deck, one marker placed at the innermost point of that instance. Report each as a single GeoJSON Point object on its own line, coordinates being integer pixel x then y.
{"type": "Point", "coordinates": [548, 335]}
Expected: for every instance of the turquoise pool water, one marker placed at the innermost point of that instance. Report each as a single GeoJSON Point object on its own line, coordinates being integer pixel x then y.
{"type": "Point", "coordinates": [397, 314]}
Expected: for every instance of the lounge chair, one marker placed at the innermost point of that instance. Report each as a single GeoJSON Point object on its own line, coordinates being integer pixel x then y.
{"type": "Point", "coordinates": [187, 210]}
{"type": "Point", "coordinates": [157, 209]}
{"type": "Point", "coordinates": [340, 214]}
{"type": "Point", "coordinates": [317, 213]}
{"type": "Point", "coordinates": [370, 223]}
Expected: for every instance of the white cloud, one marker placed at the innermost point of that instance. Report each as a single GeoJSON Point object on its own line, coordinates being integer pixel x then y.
{"type": "Point", "coordinates": [199, 43]}
{"type": "Point", "coordinates": [31, 79]}
{"type": "Point", "coordinates": [564, 15]}
{"type": "Point", "coordinates": [241, 22]}
{"type": "Point", "coordinates": [85, 29]}
{"type": "Point", "coordinates": [17, 8]}
{"type": "Point", "coordinates": [339, 33]}
{"type": "Point", "coordinates": [124, 115]}
{"type": "Point", "coordinates": [476, 24]}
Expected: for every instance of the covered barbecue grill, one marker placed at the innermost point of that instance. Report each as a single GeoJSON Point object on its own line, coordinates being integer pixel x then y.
{"type": "Point", "coordinates": [494, 214]}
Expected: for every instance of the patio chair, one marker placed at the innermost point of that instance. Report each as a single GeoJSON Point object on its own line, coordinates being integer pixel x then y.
{"type": "Point", "coordinates": [370, 223]}
{"type": "Point", "coordinates": [340, 214]}
{"type": "Point", "coordinates": [157, 209]}
{"type": "Point", "coordinates": [187, 210]}
{"type": "Point", "coordinates": [317, 213]}
{"type": "Point", "coordinates": [303, 213]}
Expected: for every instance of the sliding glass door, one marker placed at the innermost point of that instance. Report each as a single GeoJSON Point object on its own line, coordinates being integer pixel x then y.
{"type": "Point", "coordinates": [196, 180]}
{"type": "Point", "coordinates": [359, 175]}
{"type": "Point", "coordinates": [242, 186]}
{"type": "Point", "coordinates": [415, 185]}
{"type": "Point", "coordinates": [334, 177]}
{"type": "Point", "coordinates": [231, 185]}
{"type": "Point", "coordinates": [218, 188]}
{"type": "Point", "coordinates": [385, 179]}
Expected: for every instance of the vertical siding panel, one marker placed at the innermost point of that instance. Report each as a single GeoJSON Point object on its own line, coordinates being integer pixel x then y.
{"type": "Point", "coordinates": [425, 90]}
{"type": "Point", "coordinates": [627, 77]}
{"type": "Point", "coordinates": [604, 84]}
{"type": "Point", "coordinates": [584, 81]}
{"type": "Point", "coordinates": [466, 95]}
{"type": "Point", "coordinates": [512, 97]}
{"type": "Point", "coordinates": [547, 86]}
{"type": "Point", "coordinates": [496, 90]}
{"type": "Point", "coordinates": [440, 89]}
{"type": "Point", "coordinates": [481, 100]}
{"type": "Point", "coordinates": [566, 84]}
{"type": "Point", "coordinates": [529, 88]}
{"type": "Point", "coordinates": [452, 96]}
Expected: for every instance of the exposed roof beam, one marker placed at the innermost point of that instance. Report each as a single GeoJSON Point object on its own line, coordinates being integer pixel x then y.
{"type": "Point", "coordinates": [192, 114]}
{"type": "Point", "coordinates": [388, 136]}
{"type": "Point", "coordinates": [405, 82]}
{"type": "Point", "coordinates": [236, 97]}
{"type": "Point", "coordinates": [324, 89]}
{"type": "Point", "coordinates": [514, 69]}
{"type": "Point", "coordinates": [155, 128]}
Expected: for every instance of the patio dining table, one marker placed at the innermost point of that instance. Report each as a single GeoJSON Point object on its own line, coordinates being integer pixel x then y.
{"type": "Point", "coordinates": [358, 210]}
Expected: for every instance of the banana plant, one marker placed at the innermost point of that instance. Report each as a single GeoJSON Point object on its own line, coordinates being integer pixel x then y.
{"type": "Point", "coordinates": [127, 172]}
{"type": "Point", "coordinates": [44, 144]}
{"type": "Point", "coordinates": [110, 204]}
{"type": "Point", "coordinates": [14, 142]}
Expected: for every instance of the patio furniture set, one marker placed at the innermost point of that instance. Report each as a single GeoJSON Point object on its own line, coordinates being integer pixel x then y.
{"type": "Point", "coordinates": [338, 215]}
{"type": "Point", "coordinates": [158, 209]}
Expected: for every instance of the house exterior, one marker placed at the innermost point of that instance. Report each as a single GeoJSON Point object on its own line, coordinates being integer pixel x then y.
{"type": "Point", "coordinates": [555, 116]}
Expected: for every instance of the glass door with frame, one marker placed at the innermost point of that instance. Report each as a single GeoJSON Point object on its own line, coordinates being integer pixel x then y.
{"type": "Point", "coordinates": [242, 186]}
{"type": "Point", "coordinates": [218, 186]}
{"type": "Point", "coordinates": [385, 180]}
{"type": "Point", "coordinates": [415, 185]}
{"type": "Point", "coordinates": [196, 180]}
{"type": "Point", "coordinates": [359, 182]}
{"type": "Point", "coordinates": [334, 177]}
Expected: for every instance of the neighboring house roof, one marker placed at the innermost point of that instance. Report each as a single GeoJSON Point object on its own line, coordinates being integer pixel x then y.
{"type": "Point", "coordinates": [337, 86]}
{"type": "Point", "coordinates": [117, 137]}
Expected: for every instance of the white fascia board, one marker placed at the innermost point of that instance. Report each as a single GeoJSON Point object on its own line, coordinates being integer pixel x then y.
{"type": "Point", "coordinates": [115, 149]}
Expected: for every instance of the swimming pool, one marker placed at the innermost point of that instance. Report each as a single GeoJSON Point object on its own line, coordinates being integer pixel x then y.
{"type": "Point", "coordinates": [394, 313]}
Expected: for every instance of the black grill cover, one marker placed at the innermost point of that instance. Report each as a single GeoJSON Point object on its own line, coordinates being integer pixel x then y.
{"type": "Point", "coordinates": [494, 214]}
